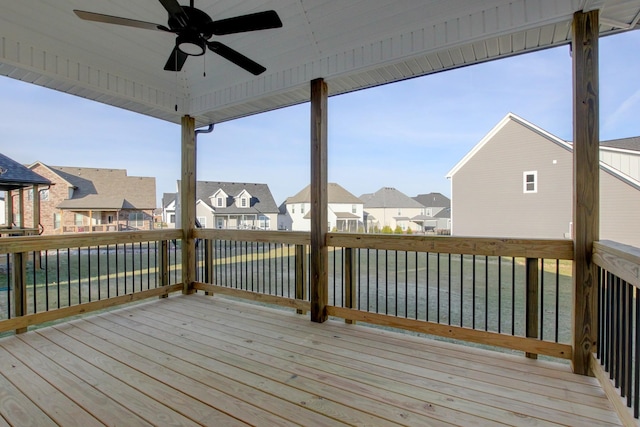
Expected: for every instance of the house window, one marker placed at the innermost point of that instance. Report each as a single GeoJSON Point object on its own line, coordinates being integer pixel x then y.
{"type": "Point", "coordinates": [243, 202]}
{"type": "Point", "coordinates": [203, 221]}
{"type": "Point", "coordinates": [302, 208]}
{"type": "Point", "coordinates": [30, 195]}
{"type": "Point", "coordinates": [354, 209]}
{"type": "Point", "coordinates": [44, 195]}
{"type": "Point", "coordinates": [220, 202]}
{"type": "Point", "coordinates": [172, 219]}
{"type": "Point", "coordinates": [79, 219]}
{"type": "Point", "coordinates": [399, 212]}
{"type": "Point", "coordinates": [530, 182]}
{"type": "Point", "coordinates": [136, 219]}
{"type": "Point", "coordinates": [56, 220]}
{"type": "Point", "coordinates": [293, 208]}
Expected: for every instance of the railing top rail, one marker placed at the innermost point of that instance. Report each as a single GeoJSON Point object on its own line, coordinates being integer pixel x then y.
{"type": "Point", "coordinates": [289, 237]}
{"type": "Point", "coordinates": [37, 243]}
{"type": "Point", "coordinates": [528, 248]}
{"type": "Point", "coordinates": [619, 259]}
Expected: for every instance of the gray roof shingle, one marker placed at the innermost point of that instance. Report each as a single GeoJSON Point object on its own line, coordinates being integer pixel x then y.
{"type": "Point", "coordinates": [13, 175]}
{"type": "Point", "coordinates": [261, 198]}
{"type": "Point", "coordinates": [388, 197]}
{"type": "Point", "coordinates": [96, 188]}
{"type": "Point", "coordinates": [632, 144]}
{"type": "Point", "coordinates": [433, 200]}
{"type": "Point", "coordinates": [335, 194]}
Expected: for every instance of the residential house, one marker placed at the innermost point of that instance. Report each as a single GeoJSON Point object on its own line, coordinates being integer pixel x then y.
{"type": "Point", "coordinates": [389, 207]}
{"type": "Point", "coordinates": [14, 180]}
{"type": "Point", "coordinates": [623, 155]}
{"type": "Point", "coordinates": [437, 212]}
{"type": "Point", "coordinates": [84, 199]}
{"type": "Point", "coordinates": [517, 182]}
{"type": "Point", "coordinates": [169, 210]}
{"type": "Point", "coordinates": [233, 205]}
{"type": "Point", "coordinates": [345, 211]}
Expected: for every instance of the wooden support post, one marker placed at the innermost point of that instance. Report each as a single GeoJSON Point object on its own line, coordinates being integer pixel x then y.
{"type": "Point", "coordinates": [319, 295]}
{"type": "Point", "coordinates": [209, 254]}
{"type": "Point", "coordinates": [9, 208]}
{"type": "Point", "coordinates": [35, 221]}
{"type": "Point", "coordinates": [164, 265]}
{"type": "Point", "coordinates": [586, 185]}
{"type": "Point", "coordinates": [532, 309]}
{"type": "Point", "coordinates": [301, 275]}
{"type": "Point", "coordinates": [20, 286]}
{"type": "Point", "coordinates": [188, 204]}
{"type": "Point", "coordinates": [21, 207]}
{"type": "Point", "coordinates": [350, 289]}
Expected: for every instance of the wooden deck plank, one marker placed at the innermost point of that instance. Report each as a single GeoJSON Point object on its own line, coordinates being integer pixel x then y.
{"type": "Point", "coordinates": [150, 409]}
{"type": "Point", "coordinates": [74, 388]}
{"type": "Point", "coordinates": [193, 410]}
{"type": "Point", "coordinates": [18, 408]}
{"type": "Point", "coordinates": [196, 381]}
{"type": "Point", "coordinates": [197, 360]}
{"type": "Point", "coordinates": [57, 407]}
{"type": "Point", "coordinates": [419, 378]}
{"type": "Point", "coordinates": [471, 370]}
{"type": "Point", "coordinates": [213, 352]}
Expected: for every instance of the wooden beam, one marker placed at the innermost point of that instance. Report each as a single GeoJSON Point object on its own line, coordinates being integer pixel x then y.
{"type": "Point", "coordinates": [188, 203]}
{"type": "Point", "coordinates": [9, 208]}
{"type": "Point", "coordinates": [319, 293]}
{"type": "Point", "coordinates": [528, 345]}
{"type": "Point", "coordinates": [586, 185]}
{"type": "Point", "coordinates": [21, 207]}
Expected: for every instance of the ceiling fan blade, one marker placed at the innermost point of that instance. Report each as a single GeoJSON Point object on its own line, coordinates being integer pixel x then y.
{"type": "Point", "coordinates": [236, 57]}
{"type": "Point", "coordinates": [175, 11]}
{"type": "Point", "coordinates": [251, 22]}
{"type": "Point", "coordinates": [176, 60]}
{"type": "Point", "coordinates": [108, 19]}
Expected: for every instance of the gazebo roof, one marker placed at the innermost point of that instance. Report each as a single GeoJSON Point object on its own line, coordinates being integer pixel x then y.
{"type": "Point", "coordinates": [13, 175]}
{"type": "Point", "coordinates": [352, 45]}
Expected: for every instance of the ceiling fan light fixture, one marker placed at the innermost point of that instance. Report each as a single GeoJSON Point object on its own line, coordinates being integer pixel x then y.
{"type": "Point", "coordinates": [191, 44]}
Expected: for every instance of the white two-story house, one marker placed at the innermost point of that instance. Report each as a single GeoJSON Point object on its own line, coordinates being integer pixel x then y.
{"type": "Point", "coordinates": [345, 211]}
{"type": "Point", "coordinates": [232, 205]}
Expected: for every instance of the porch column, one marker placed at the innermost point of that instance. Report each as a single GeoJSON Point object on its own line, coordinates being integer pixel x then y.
{"type": "Point", "coordinates": [319, 253]}
{"type": "Point", "coordinates": [586, 185]}
{"type": "Point", "coordinates": [36, 207]}
{"type": "Point", "coordinates": [8, 200]}
{"type": "Point", "coordinates": [188, 204]}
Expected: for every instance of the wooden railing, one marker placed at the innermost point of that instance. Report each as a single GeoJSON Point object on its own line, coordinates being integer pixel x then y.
{"type": "Point", "coordinates": [617, 361]}
{"type": "Point", "coordinates": [265, 266]}
{"type": "Point", "coordinates": [44, 278]}
{"type": "Point", "coordinates": [501, 292]}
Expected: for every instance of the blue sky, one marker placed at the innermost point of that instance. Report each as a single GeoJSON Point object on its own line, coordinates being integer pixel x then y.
{"type": "Point", "coordinates": [406, 135]}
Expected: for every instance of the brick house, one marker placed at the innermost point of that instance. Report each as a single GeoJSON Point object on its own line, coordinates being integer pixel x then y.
{"type": "Point", "coordinates": [93, 199]}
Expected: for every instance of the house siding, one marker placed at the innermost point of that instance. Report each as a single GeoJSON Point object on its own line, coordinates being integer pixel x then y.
{"type": "Point", "coordinates": [626, 162]}
{"type": "Point", "coordinates": [488, 197]}
{"type": "Point", "coordinates": [619, 208]}
{"type": "Point", "coordinates": [487, 193]}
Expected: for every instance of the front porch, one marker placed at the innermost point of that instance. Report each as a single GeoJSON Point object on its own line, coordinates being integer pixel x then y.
{"type": "Point", "coordinates": [198, 360]}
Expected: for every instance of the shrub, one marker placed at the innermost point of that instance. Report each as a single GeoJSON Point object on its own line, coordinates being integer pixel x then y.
{"type": "Point", "coordinates": [387, 230]}
{"type": "Point", "coordinates": [398, 230]}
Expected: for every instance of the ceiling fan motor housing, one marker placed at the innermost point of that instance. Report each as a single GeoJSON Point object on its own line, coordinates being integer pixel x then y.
{"type": "Point", "coordinates": [192, 37]}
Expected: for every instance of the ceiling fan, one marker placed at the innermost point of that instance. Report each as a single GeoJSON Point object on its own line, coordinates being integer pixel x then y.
{"type": "Point", "coordinates": [194, 28]}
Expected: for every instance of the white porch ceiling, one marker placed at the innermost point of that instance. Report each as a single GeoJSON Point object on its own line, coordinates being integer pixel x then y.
{"type": "Point", "coordinates": [352, 44]}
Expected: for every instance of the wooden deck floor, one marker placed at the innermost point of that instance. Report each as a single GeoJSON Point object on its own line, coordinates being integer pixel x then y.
{"type": "Point", "coordinates": [197, 360]}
